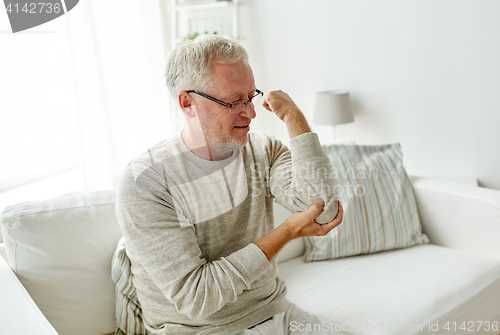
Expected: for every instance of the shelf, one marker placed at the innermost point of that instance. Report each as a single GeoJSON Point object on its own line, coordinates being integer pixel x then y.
{"type": "Point", "coordinates": [188, 17]}
{"type": "Point", "coordinates": [206, 5]}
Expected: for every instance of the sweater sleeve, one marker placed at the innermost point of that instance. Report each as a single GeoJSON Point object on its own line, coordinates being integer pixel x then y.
{"type": "Point", "coordinates": [171, 256]}
{"type": "Point", "coordinates": [302, 175]}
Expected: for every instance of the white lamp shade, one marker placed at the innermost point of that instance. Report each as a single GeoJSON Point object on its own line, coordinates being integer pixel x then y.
{"type": "Point", "coordinates": [332, 107]}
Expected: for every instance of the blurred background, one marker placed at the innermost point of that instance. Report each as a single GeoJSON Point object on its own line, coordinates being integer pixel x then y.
{"type": "Point", "coordinates": [82, 95]}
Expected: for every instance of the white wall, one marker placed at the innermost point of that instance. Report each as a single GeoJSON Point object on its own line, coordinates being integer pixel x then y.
{"type": "Point", "coordinates": [425, 73]}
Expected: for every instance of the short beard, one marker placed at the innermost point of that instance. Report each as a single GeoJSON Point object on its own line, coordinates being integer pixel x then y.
{"type": "Point", "coordinates": [224, 138]}
{"type": "Point", "coordinates": [216, 136]}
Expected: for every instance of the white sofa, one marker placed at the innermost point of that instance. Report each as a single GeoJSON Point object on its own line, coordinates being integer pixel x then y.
{"type": "Point", "coordinates": [60, 251]}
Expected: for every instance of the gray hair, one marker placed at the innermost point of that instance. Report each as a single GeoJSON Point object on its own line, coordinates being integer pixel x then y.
{"type": "Point", "coordinates": [188, 66]}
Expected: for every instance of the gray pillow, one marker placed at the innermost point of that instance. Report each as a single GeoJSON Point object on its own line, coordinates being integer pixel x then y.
{"type": "Point", "coordinates": [380, 212]}
{"type": "Point", "coordinates": [128, 309]}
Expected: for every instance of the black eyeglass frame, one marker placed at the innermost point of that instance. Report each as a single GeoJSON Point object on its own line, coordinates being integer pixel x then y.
{"type": "Point", "coordinates": [229, 105]}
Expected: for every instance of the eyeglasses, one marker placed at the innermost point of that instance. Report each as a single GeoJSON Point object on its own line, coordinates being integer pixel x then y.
{"type": "Point", "coordinates": [237, 106]}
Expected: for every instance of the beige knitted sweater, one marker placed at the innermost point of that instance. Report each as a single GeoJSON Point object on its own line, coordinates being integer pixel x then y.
{"type": "Point", "coordinates": [190, 225]}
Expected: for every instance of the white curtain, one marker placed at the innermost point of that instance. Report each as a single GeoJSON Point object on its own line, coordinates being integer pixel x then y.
{"type": "Point", "coordinates": [118, 52]}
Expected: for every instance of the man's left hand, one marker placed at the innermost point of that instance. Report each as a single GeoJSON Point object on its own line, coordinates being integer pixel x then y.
{"type": "Point", "coordinates": [281, 104]}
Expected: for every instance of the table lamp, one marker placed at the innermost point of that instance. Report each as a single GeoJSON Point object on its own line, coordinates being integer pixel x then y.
{"type": "Point", "coordinates": [332, 108]}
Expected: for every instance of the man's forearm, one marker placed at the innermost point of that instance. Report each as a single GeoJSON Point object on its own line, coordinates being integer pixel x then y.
{"type": "Point", "coordinates": [296, 124]}
{"type": "Point", "coordinates": [273, 242]}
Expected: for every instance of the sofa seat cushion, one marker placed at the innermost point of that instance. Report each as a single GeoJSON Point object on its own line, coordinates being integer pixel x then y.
{"type": "Point", "coordinates": [414, 286]}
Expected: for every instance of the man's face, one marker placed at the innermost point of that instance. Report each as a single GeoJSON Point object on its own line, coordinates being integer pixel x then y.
{"type": "Point", "coordinates": [230, 82]}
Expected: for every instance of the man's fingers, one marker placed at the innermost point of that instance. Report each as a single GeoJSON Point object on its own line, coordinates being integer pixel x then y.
{"type": "Point", "coordinates": [340, 212]}
{"type": "Point", "coordinates": [265, 103]}
{"type": "Point", "coordinates": [266, 106]}
{"type": "Point", "coordinates": [274, 100]}
{"type": "Point", "coordinates": [316, 208]}
{"type": "Point", "coordinates": [337, 220]}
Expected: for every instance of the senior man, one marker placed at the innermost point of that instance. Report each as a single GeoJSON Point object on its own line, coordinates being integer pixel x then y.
{"type": "Point", "coordinates": [197, 209]}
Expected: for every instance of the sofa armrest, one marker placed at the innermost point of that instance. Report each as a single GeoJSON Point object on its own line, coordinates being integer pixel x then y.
{"type": "Point", "coordinates": [19, 313]}
{"type": "Point", "coordinates": [459, 216]}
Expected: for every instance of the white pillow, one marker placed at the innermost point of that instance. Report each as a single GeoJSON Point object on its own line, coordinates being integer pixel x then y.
{"type": "Point", "coordinates": [61, 250]}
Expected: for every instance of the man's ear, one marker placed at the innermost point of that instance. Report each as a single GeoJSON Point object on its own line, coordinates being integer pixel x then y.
{"type": "Point", "coordinates": [186, 103]}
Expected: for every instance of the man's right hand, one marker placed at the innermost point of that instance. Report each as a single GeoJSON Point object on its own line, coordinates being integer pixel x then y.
{"type": "Point", "coordinates": [303, 224]}
{"type": "Point", "coordinates": [298, 225]}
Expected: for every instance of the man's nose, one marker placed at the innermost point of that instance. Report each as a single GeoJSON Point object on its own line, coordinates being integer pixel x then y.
{"type": "Point", "coordinates": [249, 111]}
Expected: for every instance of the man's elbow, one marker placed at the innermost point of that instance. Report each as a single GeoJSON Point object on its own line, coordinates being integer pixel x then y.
{"type": "Point", "coordinates": [199, 308]}
{"type": "Point", "coordinates": [195, 312]}
{"type": "Point", "coordinates": [329, 211]}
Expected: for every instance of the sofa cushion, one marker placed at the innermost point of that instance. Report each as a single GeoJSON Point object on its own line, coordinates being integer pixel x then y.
{"type": "Point", "coordinates": [380, 212]}
{"type": "Point", "coordinates": [61, 250]}
{"type": "Point", "coordinates": [128, 308]}
{"type": "Point", "coordinates": [413, 286]}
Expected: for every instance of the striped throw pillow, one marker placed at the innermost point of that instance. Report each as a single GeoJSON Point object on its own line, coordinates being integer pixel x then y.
{"type": "Point", "coordinates": [380, 212]}
{"type": "Point", "coordinates": [128, 309]}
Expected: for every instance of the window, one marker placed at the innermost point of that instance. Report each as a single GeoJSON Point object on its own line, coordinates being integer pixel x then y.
{"type": "Point", "coordinates": [39, 132]}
